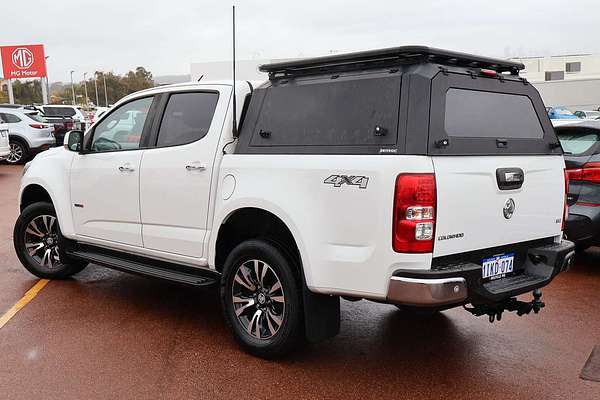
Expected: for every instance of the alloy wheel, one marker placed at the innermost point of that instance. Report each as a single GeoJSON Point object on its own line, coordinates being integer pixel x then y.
{"type": "Point", "coordinates": [258, 299]}
{"type": "Point", "coordinates": [41, 241]}
{"type": "Point", "coordinates": [16, 153]}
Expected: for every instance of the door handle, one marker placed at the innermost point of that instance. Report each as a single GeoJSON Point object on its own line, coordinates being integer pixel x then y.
{"type": "Point", "coordinates": [125, 168]}
{"type": "Point", "coordinates": [195, 167]}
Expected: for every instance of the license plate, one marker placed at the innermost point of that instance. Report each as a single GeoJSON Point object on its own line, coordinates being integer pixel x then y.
{"type": "Point", "coordinates": [498, 266]}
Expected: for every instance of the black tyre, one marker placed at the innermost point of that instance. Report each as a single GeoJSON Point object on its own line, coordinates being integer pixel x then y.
{"type": "Point", "coordinates": [35, 237]}
{"type": "Point", "coordinates": [261, 299]}
{"type": "Point", "coordinates": [18, 153]}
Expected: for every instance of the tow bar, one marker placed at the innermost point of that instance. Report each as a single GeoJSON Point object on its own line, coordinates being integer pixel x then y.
{"type": "Point", "coordinates": [494, 311]}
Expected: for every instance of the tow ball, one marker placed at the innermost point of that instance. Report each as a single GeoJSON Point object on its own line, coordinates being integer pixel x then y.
{"type": "Point", "coordinates": [494, 311]}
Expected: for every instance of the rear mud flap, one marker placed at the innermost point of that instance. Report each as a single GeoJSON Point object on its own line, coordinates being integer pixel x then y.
{"type": "Point", "coordinates": [321, 315]}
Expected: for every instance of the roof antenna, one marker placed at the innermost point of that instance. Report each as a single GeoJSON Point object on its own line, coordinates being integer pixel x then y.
{"type": "Point", "coordinates": [234, 131]}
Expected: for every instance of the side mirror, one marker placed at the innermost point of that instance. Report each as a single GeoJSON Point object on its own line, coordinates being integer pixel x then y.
{"type": "Point", "coordinates": [73, 141]}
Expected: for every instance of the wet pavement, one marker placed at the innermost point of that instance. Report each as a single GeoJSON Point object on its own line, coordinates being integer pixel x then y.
{"type": "Point", "coordinates": [109, 335]}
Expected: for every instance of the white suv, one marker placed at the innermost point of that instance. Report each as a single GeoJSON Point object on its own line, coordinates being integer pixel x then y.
{"type": "Point", "coordinates": [417, 177]}
{"type": "Point", "coordinates": [29, 133]}
{"type": "Point", "coordinates": [4, 143]}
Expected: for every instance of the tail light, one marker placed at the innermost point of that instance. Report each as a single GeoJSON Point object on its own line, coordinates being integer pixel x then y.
{"type": "Point", "coordinates": [590, 172]}
{"type": "Point", "coordinates": [38, 126]}
{"type": "Point", "coordinates": [414, 213]}
{"type": "Point", "coordinates": [69, 126]}
{"type": "Point", "coordinates": [566, 206]}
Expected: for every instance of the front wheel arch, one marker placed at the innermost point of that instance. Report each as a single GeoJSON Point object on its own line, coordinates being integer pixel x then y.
{"type": "Point", "coordinates": [34, 193]}
{"type": "Point", "coordinates": [62, 267]}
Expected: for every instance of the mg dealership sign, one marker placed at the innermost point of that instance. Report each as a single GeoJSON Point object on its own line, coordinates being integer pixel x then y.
{"type": "Point", "coordinates": [26, 61]}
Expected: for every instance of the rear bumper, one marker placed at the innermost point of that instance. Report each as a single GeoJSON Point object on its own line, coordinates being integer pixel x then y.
{"type": "Point", "coordinates": [462, 283]}
{"type": "Point", "coordinates": [40, 143]}
{"type": "Point", "coordinates": [583, 224]}
{"type": "Point", "coordinates": [427, 292]}
{"type": "Point", "coordinates": [44, 147]}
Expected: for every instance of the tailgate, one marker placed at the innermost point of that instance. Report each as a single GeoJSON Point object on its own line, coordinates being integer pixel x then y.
{"type": "Point", "coordinates": [477, 209]}
{"type": "Point", "coordinates": [486, 135]}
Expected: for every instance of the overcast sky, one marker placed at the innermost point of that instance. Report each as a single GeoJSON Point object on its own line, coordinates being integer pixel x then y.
{"type": "Point", "coordinates": [166, 36]}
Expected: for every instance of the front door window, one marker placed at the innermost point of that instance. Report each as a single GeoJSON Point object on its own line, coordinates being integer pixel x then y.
{"type": "Point", "coordinates": [123, 128]}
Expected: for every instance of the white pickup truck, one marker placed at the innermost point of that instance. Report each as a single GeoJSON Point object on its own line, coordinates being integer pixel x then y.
{"type": "Point", "coordinates": [418, 177]}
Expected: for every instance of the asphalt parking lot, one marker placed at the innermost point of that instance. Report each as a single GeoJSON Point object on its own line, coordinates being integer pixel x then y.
{"type": "Point", "coordinates": [104, 334]}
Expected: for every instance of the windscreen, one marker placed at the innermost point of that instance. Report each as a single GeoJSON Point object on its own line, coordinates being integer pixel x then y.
{"type": "Point", "coordinates": [576, 141]}
{"type": "Point", "coordinates": [481, 114]}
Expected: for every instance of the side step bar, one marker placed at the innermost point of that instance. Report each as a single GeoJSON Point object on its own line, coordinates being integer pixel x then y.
{"type": "Point", "coordinates": [145, 266]}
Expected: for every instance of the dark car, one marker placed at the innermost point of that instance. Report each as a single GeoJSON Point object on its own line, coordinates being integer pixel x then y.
{"type": "Point", "coordinates": [61, 126]}
{"type": "Point", "coordinates": [581, 144]}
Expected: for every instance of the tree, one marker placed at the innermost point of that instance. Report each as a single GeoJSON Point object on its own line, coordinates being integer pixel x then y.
{"type": "Point", "coordinates": [25, 92]}
{"type": "Point", "coordinates": [138, 80]}
{"type": "Point", "coordinates": [116, 87]}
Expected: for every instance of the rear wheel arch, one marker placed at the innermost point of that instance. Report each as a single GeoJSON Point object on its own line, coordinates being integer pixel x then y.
{"type": "Point", "coordinates": [253, 223]}
{"type": "Point", "coordinates": [25, 151]}
{"type": "Point", "coordinates": [20, 140]}
{"type": "Point", "coordinates": [321, 312]}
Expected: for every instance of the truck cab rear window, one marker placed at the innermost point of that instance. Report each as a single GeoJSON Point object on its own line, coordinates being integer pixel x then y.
{"type": "Point", "coordinates": [480, 114]}
{"type": "Point", "coordinates": [59, 111]}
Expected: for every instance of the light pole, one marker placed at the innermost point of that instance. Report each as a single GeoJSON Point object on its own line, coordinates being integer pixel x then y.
{"type": "Point", "coordinates": [96, 87]}
{"type": "Point", "coordinates": [105, 92]}
{"type": "Point", "coordinates": [47, 99]}
{"type": "Point", "coordinates": [72, 88]}
{"type": "Point", "coordinates": [87, 101]}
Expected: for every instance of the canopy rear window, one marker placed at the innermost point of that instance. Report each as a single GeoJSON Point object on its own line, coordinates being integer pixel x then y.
{"type": "Point", "coordinates": [474, 115]}
{"type": "Point", "coordinates": [479, 114]}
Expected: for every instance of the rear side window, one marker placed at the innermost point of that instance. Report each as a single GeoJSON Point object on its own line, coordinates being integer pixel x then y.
{"type": "Point", "coordinates": [355, 112]}
{"type": "Point", "coordinates": [36, 117]}
{"type": "Point", "coordinates": [187, 118]}
{"type": "Point", "coordinates": [10, 118]}
{"type": "Point", "coordinates": [479, 114]}
{"type": "Point", "coordinates": [577, 141]}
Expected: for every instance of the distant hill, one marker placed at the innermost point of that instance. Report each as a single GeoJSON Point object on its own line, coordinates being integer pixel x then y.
{"type": "Point", "coordinates": [168, 79]}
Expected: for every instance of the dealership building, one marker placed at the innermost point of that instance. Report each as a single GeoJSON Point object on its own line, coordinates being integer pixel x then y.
{"type": "Point", "coordinates": [572, 81]}
{"type": "Point", "coordinates": [218, 70]}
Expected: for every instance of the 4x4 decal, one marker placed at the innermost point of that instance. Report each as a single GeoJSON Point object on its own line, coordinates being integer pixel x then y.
{"type": "Point", "coordinates": [339, 180]}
